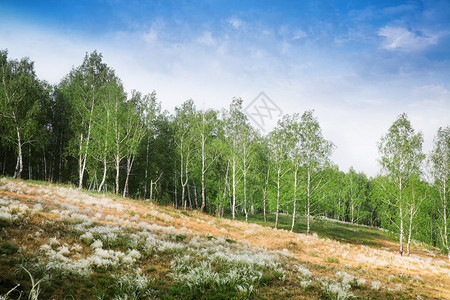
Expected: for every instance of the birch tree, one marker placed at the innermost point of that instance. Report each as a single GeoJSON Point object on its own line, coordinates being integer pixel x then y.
{"type": "Point", "coordinates": [234, 120]}
{"type": "Point", "coordinates": [82, 86]}
{"type": "Point", "coordinates": [417, 193]}
{"type": "Point", "coordinates": [439, 161]}
{"type": "Point", "coordinates": [151, 111]}
{"type": "Point", "coordinates": [315, 152]}
{"type": "Point", "coordinates": [401, 157]}
{"type": "Point", "coordinates": [184, 124]}
{"type": "Point", "coordinates": [103, 129]}
{"type": "Point", "coordinates": [247, 141]}
{"type": "Point", "coordinates": [21, 95]}
{"type": "Point", "coordinates": [207, 131]}
{"type": "Point", "coordinates": [134, 130]}
{"type": "Point", "coordinates": [279, 147]}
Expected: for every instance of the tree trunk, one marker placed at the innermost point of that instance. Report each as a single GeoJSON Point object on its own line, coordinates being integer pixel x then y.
{"type": "Point", "coordinates": [175, 190]}
{"type": "Point", "coordinates": [117, 169]}
{"type": "Point", "coordinates": [445, 235]}
{"type": "Point", "coordinates": [183, 201]}
{"type": "Point", "coordinates": [351, 200]}
{"type": "Point", "coordinates": [245, 194]}
{"type": "Point", "coordinates": [151, 191]}
{"type": "Point", "coordinates": [265, 195]}
{"type": "Point", "coordinates": [225, 187]}
{"type": "Point", "coordinates": [30, 168]}
{"type": "Point", "coordinates": [308, 203]}
{"type": "Point", "coordinates": [19, 165]}
{"type": "Point", "coordinates": [295, 200]}
{"type": "Point", "coordinates": [183, 192]}
{"type": "Point", "coordinates": [408, 245]}
{"type": "Point", "coordinates": [401, 232]}
{"type": "Point", "coordinates": [189, 198]}
{"type": "Point", "coordinates": [80, 184]}
{"type": "Point", "coordinates": [45, 163]}
{"type": "Point", "coordinates": [104, 168]}
{"type": "Point", "coordinates": [146, 170]}
{"type": "Point", "coordinates": [234, 188]}
{"type": "Point", "coordinates": [401, 218]}
{"type": "Point", "coordinates": [104, 175]}
{"type": "Point", "coordinates": [353, 212]}
{"type": "Point", "coordinates": [195, 195]}
{"type": "Point", "coordinates": [202, 209]}
{"type": "Point", "coordinates": [182, 181]}
{"type": "Point", "coordinates": [278, 199]}
{"type": "Point", "coordinates": [264, 206]}
{"type": "Point", "coordinates": [130, 160]}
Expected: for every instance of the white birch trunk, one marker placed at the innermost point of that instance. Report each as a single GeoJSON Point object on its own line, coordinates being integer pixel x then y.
{"type": "Point", "coordinates": [19, 165]}
{"type": "Point", "coordinates": [234, 187]}
{"type": "Point", "coordinates": [278, 199]}
{"type": "Point", "coordinates": [308, 203]}
{"type": "Point", "coordinates": [295, 200]}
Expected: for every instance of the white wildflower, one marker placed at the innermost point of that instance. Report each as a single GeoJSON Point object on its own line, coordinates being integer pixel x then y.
{"type": "Point", "coordinates": [376, 285]}
{"type": "Point", "coordinates": [45, 248]}
{"type": "Point", "coordinates": [305, 283]}
{"type": "Point", "coordinates": [54, 242]}
{"type": "Point", "coordinates": [134, 254]}
{"type": "Point", "coordinates": [97, 244]}
{"type": "Point", "coordinates": [6, 216]}
{"type": "Point", "coordinates": [77, 248]}
{"type": "Point", "coordinates": [64, 251]}
{"type": "Point", "coordinates": [128, 260]}
{"type": "Point", "coordinates": [87, 238]}
{"type": "Point", "coordinates": [304, 271]}
{"type": "Point", "coordinates": [38, 207]}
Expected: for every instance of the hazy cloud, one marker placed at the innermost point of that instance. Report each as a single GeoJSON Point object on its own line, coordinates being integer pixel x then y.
{"type": "Point", "coordinates": [299, 34]}
{"type": "Point", "coordinates": [313, 62]}
{"type": "Point", "coordinates": [399, 38]}
{"type": "Point", "coordinates": [235, 22]}
{"type": "Point", "coordinates": [207, 39]}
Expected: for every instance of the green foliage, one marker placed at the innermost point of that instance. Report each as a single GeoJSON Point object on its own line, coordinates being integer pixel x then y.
{"type": "Point", "coordinates": [8, 249]}
{"type": "Point", "coordinates": [87, 131]}
{"type": "Point", "coordinates": [401, 158]}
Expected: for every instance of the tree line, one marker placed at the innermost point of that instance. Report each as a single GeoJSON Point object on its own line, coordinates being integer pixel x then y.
{"type": "Point", "coordinates": [89, 132]}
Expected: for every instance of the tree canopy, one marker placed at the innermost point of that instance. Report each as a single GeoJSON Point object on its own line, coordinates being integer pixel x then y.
{"type": "Point", "coordinates": [89, 131]}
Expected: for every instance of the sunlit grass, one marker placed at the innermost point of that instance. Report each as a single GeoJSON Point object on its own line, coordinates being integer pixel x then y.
{"type": "Point", "coordinates": [89, 246]}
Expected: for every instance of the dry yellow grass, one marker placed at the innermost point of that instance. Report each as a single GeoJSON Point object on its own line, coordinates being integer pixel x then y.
{"type": "Point", "coordinates": [420, 274]}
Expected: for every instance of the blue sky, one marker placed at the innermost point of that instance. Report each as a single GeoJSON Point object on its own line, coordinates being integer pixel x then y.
{"type": "Point", "coordinates": [359, 64]}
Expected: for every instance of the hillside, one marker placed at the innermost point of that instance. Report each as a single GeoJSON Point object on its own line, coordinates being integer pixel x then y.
{"type": "Point", "coordinates": [61, 243]}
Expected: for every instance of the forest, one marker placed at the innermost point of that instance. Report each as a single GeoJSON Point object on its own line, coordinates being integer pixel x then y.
{"type": "Point", "coordinates": [88, 132]}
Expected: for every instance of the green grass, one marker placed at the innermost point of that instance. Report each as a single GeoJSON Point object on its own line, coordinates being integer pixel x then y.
{"type": "Point", "coordinates": [343, 232]}
{"type": "Point", "coordinates": [8, 249]}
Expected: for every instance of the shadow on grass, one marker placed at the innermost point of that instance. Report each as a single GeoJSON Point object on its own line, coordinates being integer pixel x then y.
{"type": "Point", "coordinates": [343, 232]}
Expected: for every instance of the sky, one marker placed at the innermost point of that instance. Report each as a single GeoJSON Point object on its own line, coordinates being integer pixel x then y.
{"type": "Point", "coordinates": [357, 64]}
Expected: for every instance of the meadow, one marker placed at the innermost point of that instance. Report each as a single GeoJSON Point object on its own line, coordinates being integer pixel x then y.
{"type": "Point", "coordinates": [58, 242]}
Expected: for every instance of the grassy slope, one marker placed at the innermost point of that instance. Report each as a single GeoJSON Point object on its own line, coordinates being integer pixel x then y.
{"type": "Point", "coordinates": [340, 256]}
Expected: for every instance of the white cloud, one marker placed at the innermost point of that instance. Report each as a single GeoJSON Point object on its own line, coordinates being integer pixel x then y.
{"type": "Point", "coordinates": [207, 39]}
{"type": "Point", "coordinates": [354, 112]}
{"type": "Point", "coordinates": [432, 94]}
{"type": "Point", "coordinates": [299, 34]}
{"type": "Point", "coordinates": [151, 36]}
{"type": "Point", "coordinates": [235, 22]}
{"type": "Point", "coordinates": [399, 38]}
{"type": "Point", "coordinates": [53, 53]}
